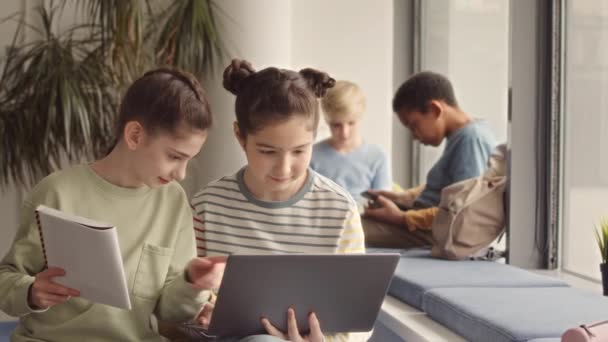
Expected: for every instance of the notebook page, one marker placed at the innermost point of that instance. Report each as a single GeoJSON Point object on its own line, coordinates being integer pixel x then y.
{"type": "Point", "coordinates": [91, 258]}
{"type": "Point", "coordinates": [78, 219]}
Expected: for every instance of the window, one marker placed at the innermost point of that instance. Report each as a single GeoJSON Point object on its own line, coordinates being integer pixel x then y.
{"type": "Point", "coordinates": [468, 41]}
{"type": "Point", "coordinates": [585, 118]}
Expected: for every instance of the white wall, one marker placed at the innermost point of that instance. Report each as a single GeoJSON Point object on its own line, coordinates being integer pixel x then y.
{"type": "Point", "coordinates": [525, 95]}
{"type": "Point", "coordinates": [352, 40]}
{"type": "Point", "coordinates": [333, 36]}
{"type": "Point", "coordinates": [403, 66]}
{"type": "Point", "coordinates": [586, 134]}
{"type": "Point", "coordinates": [349, 39]}
{"type": "Point", "coordinates": [10, 198]}
{"type": "Point", "coordinates": [260, 32]}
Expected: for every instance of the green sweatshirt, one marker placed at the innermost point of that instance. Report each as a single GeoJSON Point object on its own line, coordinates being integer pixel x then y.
{"type": "Point", "coordinates": [156, 240]}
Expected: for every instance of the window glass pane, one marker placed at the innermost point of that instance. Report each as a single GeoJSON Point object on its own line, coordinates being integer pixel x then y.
{"type": "Point", "coordinates": [468, 41]}
{"type": "Point", "coordinates": [585, 182]}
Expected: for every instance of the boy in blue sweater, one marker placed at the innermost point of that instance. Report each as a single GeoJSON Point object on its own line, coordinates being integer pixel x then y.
{"type": "Point", "coordinates": [345, 157]}
{"type": "Point", "coordinates": [426, 105]}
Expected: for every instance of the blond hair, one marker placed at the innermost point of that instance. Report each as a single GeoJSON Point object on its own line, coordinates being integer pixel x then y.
{"type": "Point", "coordinates": [345, 98]}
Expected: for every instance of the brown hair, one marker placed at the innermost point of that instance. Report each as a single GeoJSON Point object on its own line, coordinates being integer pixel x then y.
{"type": "Point", "coordinates": [164, 98]}
{"type": "Point", "coordinates": [274, 95]}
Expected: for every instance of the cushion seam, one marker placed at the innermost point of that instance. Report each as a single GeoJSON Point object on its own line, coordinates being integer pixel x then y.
{"type": "Point", "coordinates": [457, 310]}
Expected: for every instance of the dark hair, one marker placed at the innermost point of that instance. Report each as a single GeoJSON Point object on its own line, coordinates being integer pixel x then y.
{"type": "Point", "coordinates": [274, 95]}
{"type": "Point", "coordinates": [421, 88]}
{"type": "Point", "coordinates": [164, 98]}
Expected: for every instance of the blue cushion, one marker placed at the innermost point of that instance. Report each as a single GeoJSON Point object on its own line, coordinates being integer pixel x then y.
{"type": "Point", "coordinates": [5, 330]}
{"type": "Point", "coordinates": [513, 314]}
{"type": "Point", "coordinates": [418, 272]}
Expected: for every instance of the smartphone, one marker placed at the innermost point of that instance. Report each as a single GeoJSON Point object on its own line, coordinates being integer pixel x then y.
{"type": "Point", "coordinates": [369, 195]}
{"type": "Point", "coordinates": [372, 203]}
{"type": "Point", "coordinates": [373, 197]}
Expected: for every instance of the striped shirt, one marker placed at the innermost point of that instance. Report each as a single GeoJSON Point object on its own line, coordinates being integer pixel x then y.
{"type": "Point", "coordinates": [321, 218]}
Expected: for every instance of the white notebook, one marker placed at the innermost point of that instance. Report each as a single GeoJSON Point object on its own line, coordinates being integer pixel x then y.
{"type": "Point", "coordinates": [89, 253]}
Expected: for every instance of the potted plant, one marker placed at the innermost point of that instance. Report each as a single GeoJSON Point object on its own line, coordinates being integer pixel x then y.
{"type": "Point", "coordinates": [601, 235]}
{"type": "Point", "coordinates": [59, 90]}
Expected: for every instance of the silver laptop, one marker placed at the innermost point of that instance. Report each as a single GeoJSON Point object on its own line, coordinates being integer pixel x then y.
{"type": "Point", "coordinates": [344, 290]}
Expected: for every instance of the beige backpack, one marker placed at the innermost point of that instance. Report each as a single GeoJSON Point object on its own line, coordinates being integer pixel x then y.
{"type": "Point", "coordinates": [471, 212]}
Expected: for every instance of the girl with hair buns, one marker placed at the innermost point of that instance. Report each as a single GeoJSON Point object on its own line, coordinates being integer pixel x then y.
{"type": "Point", "coordinates": [276, 203]}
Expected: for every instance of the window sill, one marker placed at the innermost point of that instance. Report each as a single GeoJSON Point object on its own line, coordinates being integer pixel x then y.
{"type": "Point", "coordinates": [573, 280]}
{"type": "Point", "coordinates": [411, 324]}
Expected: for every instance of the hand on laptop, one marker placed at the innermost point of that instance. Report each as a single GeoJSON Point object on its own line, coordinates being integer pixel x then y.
{"type": "Point", "coordinates": [293, 333]}
{"type": "Point", "coordinates": [206, 273]}
{"type": "Point", "coordinates": [205, 316]}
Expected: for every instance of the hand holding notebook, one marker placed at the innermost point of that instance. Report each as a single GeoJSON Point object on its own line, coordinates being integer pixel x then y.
{"type": "Point", "coordinates": [45, 292]}
{"type": "Point", "coordinates": [89, 253]}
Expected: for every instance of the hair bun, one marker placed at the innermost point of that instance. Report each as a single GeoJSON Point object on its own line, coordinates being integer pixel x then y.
{"type": "Point", "coordinates": [318, 81]}
{"type": "Point", "coordinates": [235, 73]}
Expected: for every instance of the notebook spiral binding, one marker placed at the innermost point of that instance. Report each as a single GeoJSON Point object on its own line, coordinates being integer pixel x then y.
{"type": "Point", "coordinates": [41, 238]}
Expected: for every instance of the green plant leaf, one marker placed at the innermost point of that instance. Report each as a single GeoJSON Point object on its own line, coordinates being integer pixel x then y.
{"type": "Point", "coordinates": [59, 93]}
{"type": "Point", "coordinates": [54, 98]}
{"type": "Point", "coordinates": [187, 37]}
{"type": "Point", "coordinates": [601, 236]}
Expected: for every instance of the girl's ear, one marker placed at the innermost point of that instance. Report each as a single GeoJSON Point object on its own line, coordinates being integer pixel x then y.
{"type": "Point", "coordinates": [238, 135]}
{"type": "Point", "coordinates": [133, 134]}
